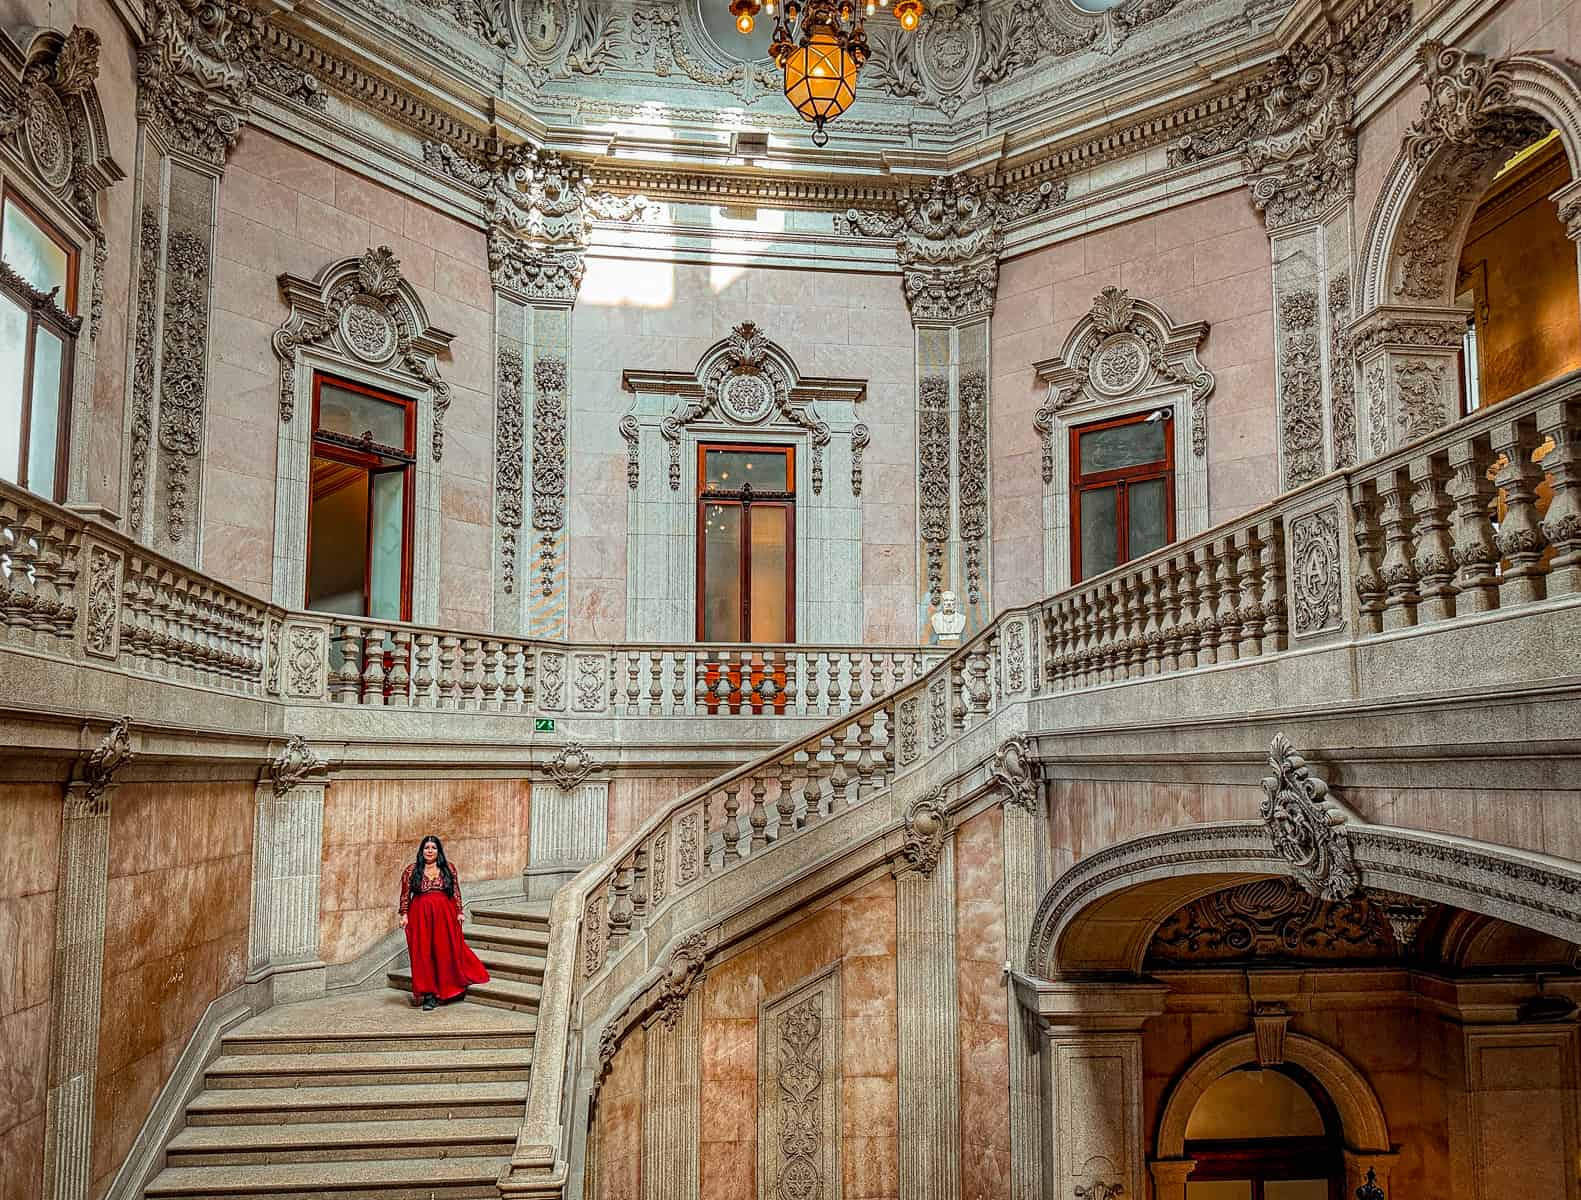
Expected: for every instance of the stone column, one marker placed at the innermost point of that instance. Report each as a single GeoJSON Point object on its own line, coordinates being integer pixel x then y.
{"type": "Point", "coordinates": [1407, 361]}
{"type": "Point", "coordinates": [929, 1028]}
{"type": "Point", "coordinates": [569, 824]}
{"type": "Point", "coordinates": [79, 968]}
{"type": "Point", "coordinates": [287, 871]}
{"type": "Point", "coordinates": [672, 1096]}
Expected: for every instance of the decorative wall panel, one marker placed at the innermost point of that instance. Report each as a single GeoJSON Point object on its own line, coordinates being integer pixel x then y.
{"type": "Point", "coordinates": [799, 1090]}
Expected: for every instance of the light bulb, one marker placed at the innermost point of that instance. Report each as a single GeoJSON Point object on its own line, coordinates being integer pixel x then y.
{"type": "Point", "coordinates": [871, 8]}
{"type": "Point", "coordinates": [744, 23]}
{"type": "Point", "coordinates": [908, 19]}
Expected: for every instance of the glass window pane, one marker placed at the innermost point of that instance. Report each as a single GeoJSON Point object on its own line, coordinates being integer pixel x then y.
{"type": "Point", "coordinates": [44, 429]}
{"type": "Point", "coordinates": [1122, 446]}
{"type": "Point", "coordinates": [387, 544]}
{"type": "Point", "coordinates": [337, 551]}
{"type": "Point", "coordinates": [341, 410]}
{"type": "Point", "coordinates": [13, 359]}
{"type": "Point", "coordinates": [1147, 517]}
{"type": "Point", "coordinates": [1100, 541]}
{"type": "Point", "coordinates": [32, 253]}
{"type": "Point", "coordinates": [770, 561]}
{"type": "Point", "coordinates": [722, 573]}
{"type": "Point", "coordinates": [1295, 1189]}
{"type": "Point", "coordinates": [731, 470]}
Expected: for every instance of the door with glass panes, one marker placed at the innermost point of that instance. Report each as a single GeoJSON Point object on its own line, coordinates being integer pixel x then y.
{"type": "Point", "coordinates": [1122, 490]}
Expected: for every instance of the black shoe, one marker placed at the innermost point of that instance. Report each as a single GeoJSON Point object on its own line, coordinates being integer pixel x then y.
{"type": "Point", "coordinates": [430, 1002]}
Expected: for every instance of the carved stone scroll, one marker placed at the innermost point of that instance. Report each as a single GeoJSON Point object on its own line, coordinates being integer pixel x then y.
{"type": "Point", "coordinates": [1307, 829]}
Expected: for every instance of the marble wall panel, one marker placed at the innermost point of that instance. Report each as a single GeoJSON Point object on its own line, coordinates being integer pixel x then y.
{"type": "Point", "coordinates": [371, 831]}
{"type": "Point", "coordinates": [29, 857]}
{"type": "Point", "coordinates": [617, 1174]}
{"type": "Point", "coordinates": [980, 954]}
{"type": "Point", "coordinates": [175, 939]}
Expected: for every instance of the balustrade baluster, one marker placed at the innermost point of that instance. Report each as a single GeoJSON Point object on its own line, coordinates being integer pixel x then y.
{"type": "Point", "coordinates": [865, 764]}
{"type": "Point", "coordinates": [620, 910]}
{"type": "Point", "coordinates": [21, 590]}
{"type": "Point", "coordinates": [815, 694]}
{"type": "Point", "coordinates": [812, 786]}
{"type": "Point", "coordinates": [785, 801]}
{"type": "Point", "coordinates": [46, 597]}
{"type": "Point", "coordinates": [888, 752]}
{"type": "Point", "coordinates": [792, 661]}
{"type": "Point", "coordinates": [759, 817]}
{"type": "Point", "coordinates": [1561, 525]}
{"type": "Point", "coordinates": [1152, 602]}
{"type": "Point", "coordinates": [1476, 557]}
{"type": "Point", "coordinates": [489, 681]}
{"type": "Point", "coordinates": [1519, 538]}
{"type": "Point", "coordinates": [1399, 576]}
{"type": "Point", "coordinates": [1434, 559]}
{"type": "Point", "coordinates": [632, 666]}
{"type": "Point", "coordinates": [656, 660]}
{"type": "Point", "coordinates": [957, 694]}
{"type": "Point", "coordinates": [471, 690]}
{"type": "Point", "coordinates": [1272, 538]}
{"type": "Point", "coordinates": [345, 683]}
{"type": "Point", "coordinates": [373, 666]}
{"type": "Point", "coordinates": [683, 670]}
{"type": "Point", "coordinates": [449, 676]}
{"type": "Point", "coordinates": [639, 886]}
{"type": "Point", "coordinates": [1252, 579]}
{"type": "Point", "coordinates": [400, 677]}
{"type": "Point", "coordinates": [1370, 588]}
{"type": "Point", "coordinates": [1207, 604]}
{"type": "Point", "coordinates": [423, 671]}
{"type": "Point", "coordinates": [1186, 595]}
{"type": "Point", "coordinates": [513, 697]}
{"type": "Point", "coordinates": [732, 828]}
{"type": "Point", "coordinates": [1227, 615]}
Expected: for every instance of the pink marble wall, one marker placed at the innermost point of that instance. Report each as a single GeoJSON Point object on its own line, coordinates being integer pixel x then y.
{"type": "Point", "coordinates": [29, 854]}
{"type": "Point", "coordinates": [635, 798]}
{"type": "Point", "coordinates": [371, 831]}
{"type": "Point", "coordinates": [1203, 261]}
{"type": "Point", "coordinates": [985, 1036]}
{"type": "Point", "coordinates": [175, 940]}
{"type": "Point", "coordinates": [859, 930]}
{"type": "Point", "coordinates": [657, 316]}
{"type": "Point", "coordinates": [283, 209]}
{"type": "Point", "coordinates": [618, 1121]}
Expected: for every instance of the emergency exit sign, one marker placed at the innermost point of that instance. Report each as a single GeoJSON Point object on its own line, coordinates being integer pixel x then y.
{"type": "Point", "coordinates": [543, 725]}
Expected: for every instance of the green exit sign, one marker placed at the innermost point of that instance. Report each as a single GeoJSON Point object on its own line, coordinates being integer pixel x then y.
{"type": "Point", "coordinates": [543, 725]}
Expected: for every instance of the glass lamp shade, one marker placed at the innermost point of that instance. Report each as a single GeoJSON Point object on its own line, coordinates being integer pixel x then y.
{"type": "Point", "coordinates": [820, 78]}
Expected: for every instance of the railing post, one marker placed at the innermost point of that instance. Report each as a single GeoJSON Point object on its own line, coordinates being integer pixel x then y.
{"type": "Point", "coordinates": [1476, 557]}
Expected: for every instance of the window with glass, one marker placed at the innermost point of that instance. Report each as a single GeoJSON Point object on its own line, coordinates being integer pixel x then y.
{"type": "Point", "coordinates": [1263, 1134]}
{"type": "Point", "coordinates": [37, 338]}
{"type": "Point", "coordinates": [746, 543]}
{"type": "Point", "coordinates": [1122, 490]}
{"type": "Point", "coordinates": [359, 531]}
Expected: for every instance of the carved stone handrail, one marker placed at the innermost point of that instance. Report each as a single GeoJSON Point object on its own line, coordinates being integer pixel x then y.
{"type": "Point", "coordinates": [1448, 526]}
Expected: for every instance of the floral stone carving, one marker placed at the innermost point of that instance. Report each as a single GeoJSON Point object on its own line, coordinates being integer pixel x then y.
{"type": "Point", "coordinates": [296, 763]}
{"type": "Point", "coordinates": [927, 826]}
{"type": "Point", "coordinates": [681, 976]}
{"type": "Point", "coordinates": [571, 765]}
{"type": "Point", "coordinates": [1306, 828]}
{"type": "Point", "coordinates": [1015, 771]}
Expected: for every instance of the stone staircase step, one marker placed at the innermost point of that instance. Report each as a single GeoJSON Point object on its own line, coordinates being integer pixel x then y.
{"type": "Point", "coordinates": [315, 1141]}
{"type": "Point", "coordinates": [497, 993]}
{"type": "Point", "coordinates": [512, 938]}
{"type": "Point", "coordinates": [368, 1102]}
{"type": "Point", "coordinates": [356, 1067]}
{"type": "Point", "coordinates": [437, 1037]}
{"type": "Point", "coordinates": [517, 915]}
{"type": "Point", "coordinates": [460, 1178]}
{"type": "Point", "coordinates": [502, 964]}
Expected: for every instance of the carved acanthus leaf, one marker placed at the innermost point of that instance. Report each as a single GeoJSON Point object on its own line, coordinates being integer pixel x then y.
{"type": "Point", "coordinates": [926, 828]}
{"type": "Point", "coordinates": [571, 765]}
{"type": "Point", "coordinates": [96, 772]}
{"type": "Point", "coordinates": [681, 976]}
{"type": "Point", "coordinates": [1015, 771]}
{"type": "Point", "coordinates": [296, 763]}
{"type": "Point", "coordinates": [1465, 91]}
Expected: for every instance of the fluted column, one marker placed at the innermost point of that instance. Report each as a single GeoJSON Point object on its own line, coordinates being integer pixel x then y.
{"type": "Point", "coordinates": [1021, 884]}
{"type": "Point", "coordinates": [673, 1050]}
{"type": "Point", "coordinates": [79, 969]}
{"type": "Point", "coordinates": [926, 999]}
{"type": "Point", "coordinates": [287, 873]}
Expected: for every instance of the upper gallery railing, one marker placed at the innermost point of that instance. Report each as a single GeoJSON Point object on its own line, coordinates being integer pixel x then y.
{"type": "Point", "coordinates": [1482, 515]}
{"type": "Point", "coordinates": [73, 589]}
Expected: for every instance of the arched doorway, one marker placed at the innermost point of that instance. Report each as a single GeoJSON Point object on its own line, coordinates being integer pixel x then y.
{"type": "Point", "coordinates": [1264, 1133]}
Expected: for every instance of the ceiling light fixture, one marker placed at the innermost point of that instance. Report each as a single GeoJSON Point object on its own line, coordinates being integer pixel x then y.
{"type": "Point", "coordinates": [821, 45]}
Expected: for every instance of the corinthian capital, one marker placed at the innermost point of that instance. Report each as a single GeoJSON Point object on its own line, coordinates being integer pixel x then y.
{"type": "Point", "coordinates": [195, 74]}
{"type": "Point", "coordinates": [1300, 150]}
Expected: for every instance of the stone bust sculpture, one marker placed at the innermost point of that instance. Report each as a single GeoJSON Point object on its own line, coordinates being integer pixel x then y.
{"type": "Point", "coordinates": [949, 620]}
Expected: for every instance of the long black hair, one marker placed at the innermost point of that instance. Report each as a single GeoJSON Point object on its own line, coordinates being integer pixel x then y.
{"type": "Point", "coordinates": [445, 872]}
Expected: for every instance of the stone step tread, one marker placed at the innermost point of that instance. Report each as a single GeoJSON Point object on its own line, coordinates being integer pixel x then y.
{"type": "Point", "coordinates": [523, 1026]}
{"type": "Point", "coordinates": [264, 1178]}
{"type": "Point", "coordinates": [528, 914]}
{"type": "Point", "coordinates": [388, 1096]}
{"type": "Point", "coordinates": [516, 990]}
{"type": "Point", "coordinates": [532, 964]}
{"type": "Point", "coordinates": [507, 935]}
{"type": "Point", "coordinates": [457, 1062]}
{"type": "Point", "coordinates": [438, 1133]}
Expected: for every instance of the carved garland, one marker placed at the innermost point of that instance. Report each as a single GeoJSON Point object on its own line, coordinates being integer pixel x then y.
{"type": "Point", "coordinates": [508, 457]}
{"type": "Point", "coordinates": [933, 476]}
{"type": "Point", "coordinates": [365, 309]}
{"type": "Point", "coordinates": [183, 380]}
{"type": "Point", "coordinates": [1300, 387]}
{"type": "Point", "coordinates": [548, 462]}
{"type": "Point", "coordinates": [973, 482]}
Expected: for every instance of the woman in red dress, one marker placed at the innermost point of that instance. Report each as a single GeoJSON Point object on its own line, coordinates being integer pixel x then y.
{"type": "Point", "coordinates": [443, 965]}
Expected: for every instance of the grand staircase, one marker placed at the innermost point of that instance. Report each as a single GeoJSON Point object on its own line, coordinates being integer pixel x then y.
{"type": "Point", "coordinates": [364, 1096]}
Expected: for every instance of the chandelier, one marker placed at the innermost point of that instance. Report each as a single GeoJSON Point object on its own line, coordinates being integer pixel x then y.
{"type": "Point", "coordinates": [821, 45]}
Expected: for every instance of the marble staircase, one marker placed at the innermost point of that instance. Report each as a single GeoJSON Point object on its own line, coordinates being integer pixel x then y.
{"type": "Point", "coordinates": [363, 1095]}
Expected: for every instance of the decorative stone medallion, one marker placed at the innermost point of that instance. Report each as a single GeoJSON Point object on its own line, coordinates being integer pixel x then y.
{"type": "Point", "coordinates": [747, 397]}
{"type": "Point", "coordinates": [48, 137]}
{"type": "Point", "coordinates": [545, 24]}
{"type": "Point", "coordinates": [1118, 366]}
{"type": "Point", "coordinates": [370, 333]}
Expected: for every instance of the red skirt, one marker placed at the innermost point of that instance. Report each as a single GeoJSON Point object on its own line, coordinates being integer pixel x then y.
{"type": "Point", "coordinates": [442, 962]}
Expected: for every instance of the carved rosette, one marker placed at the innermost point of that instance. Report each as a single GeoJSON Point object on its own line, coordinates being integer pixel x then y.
{"type": "Point", "coordinates": [508, 458]}
{"type": "Point", "coordinates": [1306, 828]}
{"type": "Point", "coordinates": [684, 972]}
{"type": "Point", "coordinates": [296, 763]}
{"type": "Point", "coordinates": [927, 825]}
{"type": "Point", "coordinates": [363, 310]}
{"type": "Point", "coordinates": [1015, 772]}
{"type": "Point", "coordinates": [548, 463]}
{"type": "Point", "coordinates": [571, 765]}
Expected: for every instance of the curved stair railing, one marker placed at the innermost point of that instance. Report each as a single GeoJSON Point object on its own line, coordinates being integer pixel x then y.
{"type": "Point", "coordinates": [1452, 526]}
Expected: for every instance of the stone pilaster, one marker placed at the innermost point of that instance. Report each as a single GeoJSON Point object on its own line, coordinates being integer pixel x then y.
{"type": "Point", "coordinates": [287, 873]}
{"type": "Point", "coordinates": [79, 968]}
{"type": "Point", "coordinates": [569, 829]}
{"type": "Point", "coordinates": [672, 1087]}
{"type": "Point", "coordinates": [799, 1090]}
{"type": "Point", "coordinates": [1408, 370]}
{"type": "Point", "coordinates": [1021, 824]}
{"type": "Point", "coordinates": [926, 997]}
